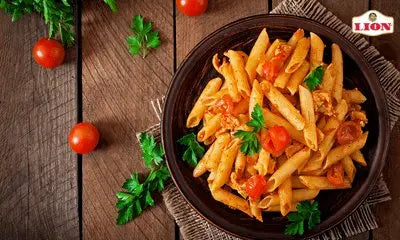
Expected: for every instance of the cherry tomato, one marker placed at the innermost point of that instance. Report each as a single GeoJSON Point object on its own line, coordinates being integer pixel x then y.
{"type": "Point", "coordinates": [83, 137]}
{"type": "Point", "coordinates": [192, 7]}
{"type": "Point", "coordinates": [225, 105]}
{"type": "Point", "coordinates": [48, 53]}
{"type": "Point", "coordinates": [348, 132]}
{"type": "Point", "coordinates": [255, 186]}
{"type": "Point", "coordinates": [275, 140]}
{"type": "Point", "coordinates": [272, 67]}
{"type": "Point", "coordinates": [335, 174]}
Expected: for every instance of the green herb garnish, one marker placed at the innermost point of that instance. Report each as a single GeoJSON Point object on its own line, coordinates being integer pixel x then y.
{"type": "Point", "coordinates": [306, 212]}
{"type": "Point", "coordinates": [314, 78]}
{"type": "Point", "coordinates": [137, 196]}
{"type": "Point", "coordinates": [111, 4]}
{"type": "Point", "coordinates": [194, 150]}
{"type": "Point", "coordinates": [250, 143]}
{"type": "Point", "coordinates": [143, 39]}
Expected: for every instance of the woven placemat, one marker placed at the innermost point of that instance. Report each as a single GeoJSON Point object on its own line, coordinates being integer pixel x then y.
{"type": "Point", "coordinates": [193, 226]}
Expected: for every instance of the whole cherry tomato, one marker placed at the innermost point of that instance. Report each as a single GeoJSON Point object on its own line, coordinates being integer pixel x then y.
{"type": "Point", "coordinates": [83, 137]}
{"type": "Point", "coordinates": [225, 105]}
{"type": "Point", "coordinates": [335, 174]}
{"type": "Point", "coordinates": [192, 7]}
{"type": "Point", "coordinates": [48, 53]}
{"type": "Point", "coordinates": [255, 186]}
{"type": "Point", "coordinates": [348, 132]}
{"type": "Point", "coordinates": [276, 139]}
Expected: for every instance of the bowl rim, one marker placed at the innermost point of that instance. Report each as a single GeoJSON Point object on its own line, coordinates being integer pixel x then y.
{"type": "Point", "coordinates": [374, 169]}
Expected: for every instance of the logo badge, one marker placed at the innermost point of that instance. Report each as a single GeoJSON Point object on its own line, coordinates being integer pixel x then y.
{"type": "Point", "coordinates": [373, 23]}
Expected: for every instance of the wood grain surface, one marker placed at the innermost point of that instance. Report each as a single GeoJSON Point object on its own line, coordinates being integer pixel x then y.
{"type": "Point", "coordinates": [117, 89]}
{"type": "Point", "coordinates": [38, 171]}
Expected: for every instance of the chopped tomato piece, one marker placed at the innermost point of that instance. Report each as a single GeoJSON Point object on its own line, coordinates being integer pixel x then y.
{"type": "Point", "coordinates": [348, 132]}
{"type": "Point", "coordinates": [276, 140]}
{"type": "Point", "coordinates": [225, 105]}
{"type": "Point", "coordinates": [335, 174]}
{"type": "Point", "coordinates": [255, 186]}
{"type": "Point", "coordinates": [272, 67]}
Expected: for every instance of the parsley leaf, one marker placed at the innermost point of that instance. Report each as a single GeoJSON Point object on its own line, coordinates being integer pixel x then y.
{"type": "Point", "coordinates": [306, 211]}
{"type": "Point", "coordinates": [152, 152]}
{"type": "Point", "coordinates": [250, 143]}
{"type": "Point", "coordinates": [111, 4]}
{"type": "Point", "coordinates": [314, 78]}
{"type": "Point", "coordinates": [138, 195]}
{"type": "Point", "coordinates": [257, 119]}
{"type": "Point", "coordinates": [143, 39]}
{"type": "Point", "coordinates": [58, 15]}
{"type": "Point", "coordinates": [194, 150]}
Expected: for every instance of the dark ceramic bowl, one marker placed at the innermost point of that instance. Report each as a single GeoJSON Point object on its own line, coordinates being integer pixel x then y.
{"type": "Point", "coordinates": [191, 78]}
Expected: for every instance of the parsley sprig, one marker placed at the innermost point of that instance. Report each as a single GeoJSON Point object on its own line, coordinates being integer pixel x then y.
{"type": "Point", "coordinates": [194, 150]}
{"type": "Point", "coordinates": [111, 4]}
{"type": "Point", "coordinates": [314, 78]}
{"type": "Point", "coordinates": [143, 39]}
{"type": "Point", "coordinates": [138, 196]}
{"type": "Point", "coordinates": [306, 212]}
{"type": "Point", "coordinates": [250, 143]}
{"type": "Point", "coordinates": [58, 15]}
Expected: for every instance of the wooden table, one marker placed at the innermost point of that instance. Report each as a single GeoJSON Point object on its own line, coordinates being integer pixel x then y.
{"type": "Point", "coordinates": [46, 191]}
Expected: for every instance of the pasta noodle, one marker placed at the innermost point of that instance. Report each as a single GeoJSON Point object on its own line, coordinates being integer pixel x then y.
{"type": "Point", "coordinates": [259, 48]}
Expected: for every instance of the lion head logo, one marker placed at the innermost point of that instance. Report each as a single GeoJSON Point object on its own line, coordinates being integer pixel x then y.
{"type": "Point", "coordinates": [372, 17]}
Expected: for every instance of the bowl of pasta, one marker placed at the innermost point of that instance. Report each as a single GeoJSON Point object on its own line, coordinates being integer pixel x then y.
{"type": "Point", "coordinates": [275, 126]}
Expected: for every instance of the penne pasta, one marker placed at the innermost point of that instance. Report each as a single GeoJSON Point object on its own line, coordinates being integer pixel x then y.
{"type": "Point", "coordinates": [296, 183]}
{"type": "Point", "coordinates": [339, 152]}
{"type": "Point", "coordinates": [271, 119]}
{"type": "Point", "coordinates": [239, 72]}
{"type": "Point", "coordinates": [283, 78]}
{"type": "Point", "coordinates": [262, 162]}
{"type": "Point", "coordinates": [285, 196]}
{"type": "Point", "coordinates": [353, 96]}
{"type": "Point", "coordinates": [337, 61]}
{"type": "Point", "coordinates": [349, 167]}
{"type": "Point", "coordinates": [255, 210]}
{"type": "Point", "coordinates": [298, 56]}
{"type": "Point", "coordinates": [316, 51]}
{"type": "Point", "coordinates": [259, 48]}
{"type": "Point", "coordinates": [230, 81]}
{"type": "Point", "coordinates": [208, 130]}
{"type": "Point", "coordinates": [298, 195]}
{"type": "Point", "coordinates": [297, 78]}
{"type": "Point", "coordinates": [307, 110]}
{"type": "Point", "coordinates": [299, 34]}
{"type": "Point", "coordinates": [240, 164]}
{"type": "Point", "coordinates": [201, 167]}
{"type": "Point", "coordinates": [357, 156]}
{"type": "Point", "coordinates": [218, 148]}
{"type": "Point", "coordinates": [226, 163]}
{"type": "Point", "coordinates": [322, 183]}
{"type": "Point", "coordinates": [256, 96]}
{"type": "Point", "coordinates": [283, 105]}
{"type": "Point", "coordinates": [277, 208]}
{"type": "Point", "coordinates": [329, 78]}
{"type": "Point", "coordinates": [231, 200]}
{"type": "Point", "coordinates": [199, 108]}
{"type": "Point", "coordinates": [289, 167]}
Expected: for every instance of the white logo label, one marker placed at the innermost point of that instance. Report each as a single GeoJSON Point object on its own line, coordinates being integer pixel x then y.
{"type": "Point", "coordinates": [373, 23]}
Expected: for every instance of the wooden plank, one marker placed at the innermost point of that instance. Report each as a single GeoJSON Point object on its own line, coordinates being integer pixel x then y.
{"type": "Point", "coordinates": [38, 172]}
{"type": "Point", "coordinates": [191, 30]}
{"type": "Point", "coordinates": [117, 89]}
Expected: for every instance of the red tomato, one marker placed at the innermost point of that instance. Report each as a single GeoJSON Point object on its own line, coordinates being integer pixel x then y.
{"type": "Point", "coordinates": [348, 132]}
{"type": "Point", "coordinates": [192, 7]}
{"type": "Point", "coordinates": [48, 53]}
{"type": "Point", "coordinates": [255, 186]}
{"type": "Point", "coordinates": [83, 137]}
{"type": "Point", "coordinates": [276, 139]}
{"type": "Point", "coordinates": [225, 104]}
{"type": "Point", "coordinates": [335, 174]}
{"type": "Point", "coordinates": [272, 67]}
